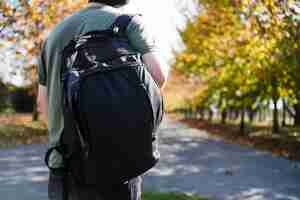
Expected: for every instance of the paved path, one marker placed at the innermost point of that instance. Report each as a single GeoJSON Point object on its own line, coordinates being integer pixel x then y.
{"type": "Point", "coordinates": [191, 162]}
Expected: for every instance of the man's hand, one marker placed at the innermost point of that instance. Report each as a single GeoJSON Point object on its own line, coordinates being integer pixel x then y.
{"type": "Point", "coordinates": [42, 103]}
{"type": "Point", "coordinates": [158, 68]}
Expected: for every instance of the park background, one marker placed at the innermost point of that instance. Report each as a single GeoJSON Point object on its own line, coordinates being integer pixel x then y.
{"type": "Point", "coordinates": [235, 67]}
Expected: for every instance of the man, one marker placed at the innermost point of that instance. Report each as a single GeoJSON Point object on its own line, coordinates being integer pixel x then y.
{"type": "Point", "coordinates": [97, 15]}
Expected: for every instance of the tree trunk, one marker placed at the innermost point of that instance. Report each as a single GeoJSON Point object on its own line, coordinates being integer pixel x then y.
{"type": "Point", "coordinates": [236, 114]}
{"type": "Point", "coordinates": [211, 115]}
{"type": "Point", "coordinates": [260, 115]}
{"type": "Point", "coordinates": [200, 111]}
{"type": "Point", "coordinates": [242, 123]}
{"type": "Point", "coordinates": [283, 123]}
{"type": "Point", "coordinates": [187, 113]}
{"type": "Point", "coordinates": [35, 114]}
{"type": "Point", "coordinates": [275, 128]}
{"type": "Point", "coordinates": [224, 117]}
{"type": "Point", "coordinates": [251, 115]}
{"type": "Point", "coordinates": [231, 114]}
{"type": "Point", "coordinates": [275, 97]}
{"type": "Point", "coordinates": [297, 115]}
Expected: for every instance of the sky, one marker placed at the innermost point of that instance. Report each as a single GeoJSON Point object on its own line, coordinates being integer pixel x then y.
{"type": "Point", "coordinates": [162, 16]}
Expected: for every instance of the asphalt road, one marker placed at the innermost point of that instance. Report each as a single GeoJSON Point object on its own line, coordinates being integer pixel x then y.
{"type": "Point", "coordinates": [191, 161]}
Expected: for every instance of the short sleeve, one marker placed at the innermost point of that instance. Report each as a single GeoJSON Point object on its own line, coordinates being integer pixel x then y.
{"type": "Point", "coordinates": [140, 37]}
{"type": "Point", "coordinates": [42, 72]}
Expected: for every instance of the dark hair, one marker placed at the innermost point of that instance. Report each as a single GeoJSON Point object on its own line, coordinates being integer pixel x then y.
{"type": "Point", "coordinates": [114, 3]}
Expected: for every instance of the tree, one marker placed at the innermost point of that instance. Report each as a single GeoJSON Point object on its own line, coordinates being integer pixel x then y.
{"type": "Point", "coordinates": [243, 50]}
{"type": "Point", "coordinates": [26, 23]}
{"type": "Point", "coordinates": [280, 20]}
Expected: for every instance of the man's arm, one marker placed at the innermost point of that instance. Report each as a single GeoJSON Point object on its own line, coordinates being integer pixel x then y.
{"type": "Point", "coordinates": [143, 41]}
{"type": "Point", "coordinates": [157, 67]}
{"type": "Point", "coordinates": [42, 103]}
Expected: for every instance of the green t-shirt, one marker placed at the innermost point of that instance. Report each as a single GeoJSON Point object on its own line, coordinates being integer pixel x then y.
{"type": "Point", "coordinates": [94, 17]}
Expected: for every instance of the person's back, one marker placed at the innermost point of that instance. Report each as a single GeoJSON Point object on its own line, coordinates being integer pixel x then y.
{"type": "Point", "coordinates": [96, 16]}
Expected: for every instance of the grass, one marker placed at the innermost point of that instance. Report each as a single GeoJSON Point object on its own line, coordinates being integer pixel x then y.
{"type": "Point", "coordinates": [170, 196]}
{"type": "Point", "coordinates": [19, 129]}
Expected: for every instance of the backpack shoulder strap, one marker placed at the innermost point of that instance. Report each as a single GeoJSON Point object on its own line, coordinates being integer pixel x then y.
{"type": "Point", "coordinates": [120, 24]}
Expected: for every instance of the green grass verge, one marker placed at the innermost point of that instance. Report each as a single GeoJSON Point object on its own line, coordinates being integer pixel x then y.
{"type": "Point", "coordinates": [170, 196]}
{"type": "Point", "coordinates": [11, 134]}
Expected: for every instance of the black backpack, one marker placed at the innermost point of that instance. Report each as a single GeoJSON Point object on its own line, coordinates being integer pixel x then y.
{"type": "Point", "coordinates": [112, 109]}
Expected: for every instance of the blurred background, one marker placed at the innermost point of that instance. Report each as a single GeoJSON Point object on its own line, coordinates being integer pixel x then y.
{"type": "Point", "coordinates": [234, 63]}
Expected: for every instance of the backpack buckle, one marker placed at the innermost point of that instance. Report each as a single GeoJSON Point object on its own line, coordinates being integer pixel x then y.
{"type": "Point", "coordinates": [116, 30]}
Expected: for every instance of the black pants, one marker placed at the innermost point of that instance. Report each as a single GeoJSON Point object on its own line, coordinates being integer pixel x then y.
{"type": "Point", "coordinates": [130, 191]}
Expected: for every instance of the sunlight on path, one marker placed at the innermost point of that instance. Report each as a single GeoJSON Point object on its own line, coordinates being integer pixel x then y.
{"type": "Point", "coordinates": [194, 162]}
